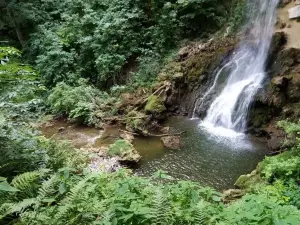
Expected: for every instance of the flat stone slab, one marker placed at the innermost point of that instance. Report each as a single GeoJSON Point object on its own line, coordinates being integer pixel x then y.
{"type": "Point", "coordinates": [294, 12]}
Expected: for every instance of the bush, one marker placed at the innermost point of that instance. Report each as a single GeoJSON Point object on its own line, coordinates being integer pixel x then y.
{"type": "Point", "coordinates": [82, 103]}
{"type": "Point", "coordinates": [21, 92]}
{"type": "Point", "coordinates": [259, 209]}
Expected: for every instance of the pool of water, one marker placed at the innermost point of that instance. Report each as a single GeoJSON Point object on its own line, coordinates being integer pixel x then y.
{"type": "Point", "coordinates": [210, 160]}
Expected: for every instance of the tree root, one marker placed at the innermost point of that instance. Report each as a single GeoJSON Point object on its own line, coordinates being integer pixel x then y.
{"type": "Point", "coordinates": [154, 135]}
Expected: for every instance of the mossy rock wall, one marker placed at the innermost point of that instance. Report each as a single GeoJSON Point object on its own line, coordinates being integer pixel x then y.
{"type": "Point", "coordinates": [192, 72]}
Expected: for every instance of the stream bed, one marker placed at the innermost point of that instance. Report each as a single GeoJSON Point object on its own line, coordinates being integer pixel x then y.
{"type": "Point", "coordinates": [209, 160]}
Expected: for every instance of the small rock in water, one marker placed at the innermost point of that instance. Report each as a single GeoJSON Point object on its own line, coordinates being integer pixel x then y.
{"type": "Point", "coordinates": [172, 142]}
{"type": "Point", "coordinates": [165, 130]}
{"type": "Point", "coordinates": [232, 195]}
{"type": "Point", "coordinates": [61, 129]}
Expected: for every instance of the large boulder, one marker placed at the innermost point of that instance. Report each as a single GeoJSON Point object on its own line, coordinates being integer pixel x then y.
{"type": "Point", "coordinates": [137, 122]}
{"type": "Point", "coordinates": [155, 105]}
{"type": "Point", "coordinates": [124, 151]}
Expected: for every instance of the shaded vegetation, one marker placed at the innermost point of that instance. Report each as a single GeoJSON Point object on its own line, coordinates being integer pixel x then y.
{"type": "Point", "coordinates": [101, 41]}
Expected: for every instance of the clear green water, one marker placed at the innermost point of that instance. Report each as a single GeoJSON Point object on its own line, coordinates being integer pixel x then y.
{"type": "Point", "coordinates": [202, 158]}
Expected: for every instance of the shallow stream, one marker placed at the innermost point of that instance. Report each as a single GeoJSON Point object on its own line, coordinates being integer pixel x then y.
{"type": "Point", "coordinates": [209, 160]}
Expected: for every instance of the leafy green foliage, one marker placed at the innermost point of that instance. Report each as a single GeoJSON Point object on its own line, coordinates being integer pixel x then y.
{"type": "Point", "coordinates": [102, 40]}
{"type": "Point", "coordinates": [287, 164]}
{"type": "Point", "coordinates": [117, 198]}
{"type": "Point", "coordinates": [260, 209]}
{"type": "Point", "coordinates": [20, 88]}
{"type": "Point", "coordinates": [83, 103]}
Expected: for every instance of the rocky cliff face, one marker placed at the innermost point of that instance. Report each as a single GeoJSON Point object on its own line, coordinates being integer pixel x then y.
{"type": "Point", "coordinates": [280, 99]}
{"type": "Point", "coordinates": [192, 72]}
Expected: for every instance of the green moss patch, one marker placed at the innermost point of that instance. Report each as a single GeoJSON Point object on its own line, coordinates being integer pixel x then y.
{"type": "Point", "coordinates": [155, 105]}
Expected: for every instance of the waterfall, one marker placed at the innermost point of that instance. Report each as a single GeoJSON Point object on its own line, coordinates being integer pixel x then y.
{"type": "Point", "coordinates": [230, 108]}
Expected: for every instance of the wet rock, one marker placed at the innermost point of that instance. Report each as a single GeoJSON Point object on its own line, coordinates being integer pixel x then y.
{"type": "Point", "coordinates": [136, 122]}
{"type": "Point", "coordinates": [61, 129]}
{"type": "Point", "coordinates": [190, 73]}
{"type": "Point", "coordinates": [293, 91]}
{"type": "Point", "coordinates": [172, 142]}
{"type": "Point", "coordinates": [232, 195]}
{"type": "Point", "coordinates": [124, 151]}
{"type": "Point", "coordinates": [280, 82]}
{"type": "Point", "coordinates": [275, 143]}
{"type": "Point", "coordinates": [278, 41]}
{"type": "Point", "coordinates": [285, 2]}
{"type": "Point", "coordinates": [249, 180]}
{"type": "Point", "coordinates": [155, 105]}
{"type": "Point", "coordinates": [285, 62]}
{"type": "Point", "coordinates": [165, 130]}
{"type": "Point", "coordinates": [127, 136]}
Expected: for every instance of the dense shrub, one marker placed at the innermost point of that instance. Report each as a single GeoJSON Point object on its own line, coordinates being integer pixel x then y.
{"type": "Point", "coordinates": [83, 103]}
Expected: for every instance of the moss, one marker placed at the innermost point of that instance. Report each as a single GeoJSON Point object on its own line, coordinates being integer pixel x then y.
{"type": "Point", "coordinates": [204, 61]}
{"type": "Point", "coordinates": [155, 105]}
{"type": "Point", "coordinates": [259, 116]}
{"type": "Point", "coordinates": [249, 181]}
{"type": "Point", "coordinates": [171, 71]}
{"type": "Point", "coordinates": [124, 150]}
{"type": "Point", "coordinates": [119, 147]}
{"type": "Point", "coordinates": [199, 64]}
{"type": "Point", "coordinates": [136, 121]}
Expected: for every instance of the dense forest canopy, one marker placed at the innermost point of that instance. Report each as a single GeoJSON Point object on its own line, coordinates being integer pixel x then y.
{"type": "Point", "coordinates": [100, 40]}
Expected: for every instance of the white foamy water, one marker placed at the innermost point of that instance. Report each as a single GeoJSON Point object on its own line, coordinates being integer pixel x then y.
{"type": "Point", "coordinates": [228, 113]}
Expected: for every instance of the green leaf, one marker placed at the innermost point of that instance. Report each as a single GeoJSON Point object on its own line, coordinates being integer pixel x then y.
{"type": "Point", "coordinates": [48, 200]}
{"type": "Point", "coordinates": [216, 198]}
{"type": "Point", "coordinates": [62, 188]}
{"type": "Point", "coordinates": [4, 186]}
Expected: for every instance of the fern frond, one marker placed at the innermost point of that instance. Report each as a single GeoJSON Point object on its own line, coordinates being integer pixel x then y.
{"type": "Point", "coordinates": [201, 217]}
{"type": "Point", "coordinates": [108, 216]}
{"type": "Point", "coordinates": [19, 207]}
{"type": "Point", "coordinates": [47, 189]}
{"type": "Point", "coordinates": [160, 209]}
{"type": "Point", "coordinates": [74, 194]}
{"type": "Point", "coordinates": [25, 181]}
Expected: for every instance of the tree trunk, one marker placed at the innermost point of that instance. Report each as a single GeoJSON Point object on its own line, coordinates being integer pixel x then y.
{"type": "Point", "coordinates": [17, 28]}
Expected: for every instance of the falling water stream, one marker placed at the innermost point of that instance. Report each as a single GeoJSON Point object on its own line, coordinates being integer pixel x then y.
{"type": "Point", "coordinates": [229, 110]}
